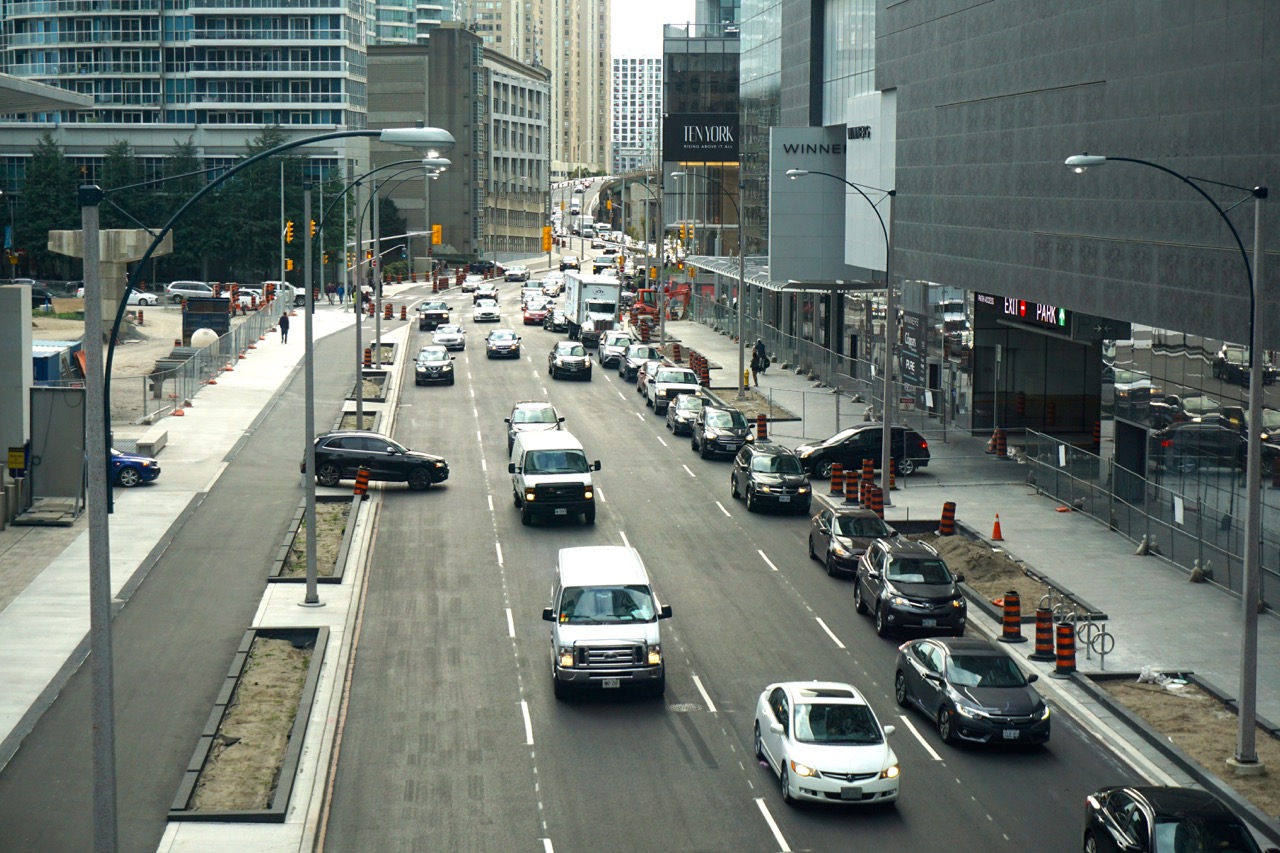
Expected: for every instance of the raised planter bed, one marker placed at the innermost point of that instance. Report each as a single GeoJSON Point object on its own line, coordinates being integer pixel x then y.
{"type": "Point", "coordinates": [375, 386]}
{"type": "Point", "coordinates": [290, 564]}
{"type": "Point", "coordinates": [348, 420]}
{"type": "Point", "coordinates": [245, 762]}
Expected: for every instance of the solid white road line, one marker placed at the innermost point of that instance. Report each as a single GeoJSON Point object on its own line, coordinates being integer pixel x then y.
{"type": "Point", "coordinates": [773, 827]}
{"type": "Point", "coordinates": [722, 509]}
{"type": "Point", "coordinates": [766, 559]}
{"type": "Point", "coordinates": [833, 637]}
{"type": "Point", "coordinates": [923, 742]}
{"type": "Point", "coordinates": [625, 541]}
{"type": "Point", "coordinates": [706, 697]}
{"type": "Point", "coordinates": [528, 723]}
{"type": "Point", "coordinates": [546, 846]}
{"type": "Point", "coordinates": [687, 471]}
{"type": "Point", "coordinates": [498, 546]}
{"type": "Point", "coordinates": [511, 625]}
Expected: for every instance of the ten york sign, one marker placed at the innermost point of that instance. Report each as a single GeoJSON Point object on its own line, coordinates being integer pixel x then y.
{"type": "Point", "coordinates": [700, 137]}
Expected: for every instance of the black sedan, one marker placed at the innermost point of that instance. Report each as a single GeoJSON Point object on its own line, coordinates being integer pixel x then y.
{"type": "Point", "coordinates": [502, 343]}
{"type": "Point", "coordinates": [719, 430]}
{"type": "Point", "coordinates": [851, 446]}
{"type": "Point", "coordinates": [770, 475]}
{"type": "Point", "coordinates": [839, 536]}
{"type": "Point", "coordinates": [634, 356]}
{"type": "Point", "coordinates": [433, 364]}
{"type": "Point", "coordinates": [972, 690]}
{"type": "Point", "coordinates": [569, 358]}
{"type": "Point", "coordinates": [341, 454]}
{"type": "Point", "coordinates": [1162, 820]}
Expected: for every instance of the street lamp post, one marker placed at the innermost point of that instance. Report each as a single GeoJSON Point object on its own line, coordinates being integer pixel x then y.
{"type": "Point", "coordinates": [890, 319]}
{"type": "Point", "coordinates": [742, 278]}
{"type": "Point", "coordinates": [1245, 762]}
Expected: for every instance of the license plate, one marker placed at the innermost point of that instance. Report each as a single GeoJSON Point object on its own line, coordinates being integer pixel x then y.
{"type": "Point", "coordinates": [931, 623]}
{"type": "Point", "coordinates": [784, 499]}
{"type": "Point", "coordinates": [561, 511]}
{"type": "Point", "coordinates": [611, 682]}
{"type": "Point", "coordinates": [1010, 734]}
{"type": "Point", "coordinates": [847, 793]}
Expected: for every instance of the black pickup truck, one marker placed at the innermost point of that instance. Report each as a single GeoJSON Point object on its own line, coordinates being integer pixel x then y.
{"type": "Point", "coordinates": [431, 315]}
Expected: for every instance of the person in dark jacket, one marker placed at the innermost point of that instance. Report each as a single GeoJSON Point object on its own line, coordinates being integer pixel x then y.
{"type": "Point", "coordinates": [284, 328]}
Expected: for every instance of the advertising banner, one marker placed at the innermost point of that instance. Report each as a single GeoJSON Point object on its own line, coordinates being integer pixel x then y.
{"type": "Point", "coordinates": [700, 138]}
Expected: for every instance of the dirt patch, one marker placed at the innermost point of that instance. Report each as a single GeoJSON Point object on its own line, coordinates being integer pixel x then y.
{"type": "Point", "coordinates": [243, 766]}
{"type": "Point", "coordinates": [351, 421]}
{"type": "Point", "coordinates": [331, 522]}
{"type": "Point", "coordinates": [372, 388]}
{"type": "Point", "coordinates": [1200, 726]}
{"type": "Point", "coordinates": [754, 403]}
{"type": "Point", "coordinates": [989, 572]}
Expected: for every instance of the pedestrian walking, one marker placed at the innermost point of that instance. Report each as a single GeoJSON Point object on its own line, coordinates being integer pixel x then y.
{"type": "Point", "coordinates": [284, 328]}
{"type": "Point", "coordinates": [330, 291]}
{"type": "Point", "coordinates": [755, 368]}
{"type": "Point", "coordinates": [342, 294]}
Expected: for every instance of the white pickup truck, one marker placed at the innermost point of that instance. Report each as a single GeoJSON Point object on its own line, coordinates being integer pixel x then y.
{"type": "Point", "coordinates": [665, 383]}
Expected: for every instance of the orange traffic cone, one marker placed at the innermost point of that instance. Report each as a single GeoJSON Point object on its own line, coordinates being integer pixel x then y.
{"type": "Point", "coordinates": [995, 533]}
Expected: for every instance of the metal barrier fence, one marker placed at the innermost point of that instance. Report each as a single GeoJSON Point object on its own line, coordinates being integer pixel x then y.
{"type": "Point", "coordinates": [1199, 521]}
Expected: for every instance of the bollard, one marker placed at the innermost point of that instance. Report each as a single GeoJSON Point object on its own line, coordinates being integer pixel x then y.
{"type": "Point", "coordinates": [947, 525]}
{"type": "Point", "coordinates": [142, 321]}
{"type": "Point", "coordinates": [762, 430]}
{"type": "Point", "coordinates": [1066, 651]}
{"type": "Point", "coordinates": [404, 312]}
{"type": "Point", "coordinates": [877, 500]}
{"type": "Point", "coordinates": [1002, 449]}
{"type": "Point", "coordinates": [1011, 624]}
{"type": "Point", "coordinates": [362, 483]}
{"type": "Point", "coordinates": [851, 483]}
{"type": "Point", "coordinates": [1044, 635]}
{"type": "Point", "coordinates": [893, 474]}
{"type": "Point", "coordinates": [386, 311]}
{"type": "Point", "coordinates": [368, 357]}
{"type": "Point", "coordinates": [675, 353]}
{"type": "Point", "coordinates": [837, 479]}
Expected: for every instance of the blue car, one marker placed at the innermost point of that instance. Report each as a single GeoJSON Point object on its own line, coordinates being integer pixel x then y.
{"type": "Point", "coordinates": [130, 469]}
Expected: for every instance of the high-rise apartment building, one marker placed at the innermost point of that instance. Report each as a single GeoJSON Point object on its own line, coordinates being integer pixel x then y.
{"type": "Point", "coordinates": [637, 113]}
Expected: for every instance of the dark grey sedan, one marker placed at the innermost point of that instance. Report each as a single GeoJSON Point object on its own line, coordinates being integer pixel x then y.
{"type": "Point", "coordinates": [682, 412]}
{"type": "Point", "coordinates": [839, 536]}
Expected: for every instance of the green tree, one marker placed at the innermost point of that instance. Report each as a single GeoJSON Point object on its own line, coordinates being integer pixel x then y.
{"type": "Point", "coordinates": [184, 177]}
{"type": "Point", "coordinates": [248, 222]}
{"type": "Point", "coordinates": [391, 223]}
{"type": "Point", "coordinates": [46, 202]}
{"type": "Point", "coordinates": [127, 205]}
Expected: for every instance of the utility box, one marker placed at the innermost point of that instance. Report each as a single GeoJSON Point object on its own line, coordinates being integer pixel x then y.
{"type": "Point", "coordinates": [206, 312]}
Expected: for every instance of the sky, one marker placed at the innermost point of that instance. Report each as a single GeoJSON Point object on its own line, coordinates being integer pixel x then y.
{"type": "Point", "coordinates": [637, 24]}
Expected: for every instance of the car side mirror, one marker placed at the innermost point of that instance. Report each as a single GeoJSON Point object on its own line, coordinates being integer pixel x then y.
{"type": "Point", "coordinates": [511, 467]}
{"type": "Point", "coordinates": [1033, 677]}
{"type": "Point", "coordinates": [548, 614]}
{"type": "Point", "coordinates": [888, 730]}
{"type": "Point", "coordinates": [893, 533]}
{"type": "Point", "coordinates": [664, 612]}
{"type": "Point", "coordinates": [960, 578]}
{"type": "Point", "coordinates": [933, 676]}
{"type": "Point", "coordinates": [776, 728]}
{"type": "Point", "coordinates": [560, 419]}
{"type": "Point", "coordinates": [595, 466]}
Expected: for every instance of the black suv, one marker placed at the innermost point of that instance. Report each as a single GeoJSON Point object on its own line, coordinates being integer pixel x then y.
{"type": "Point", "coordinates": [530, 416]}
{"type": "Point", "coordinates": [769, 474]}
{"type": "Point", "coordinates": [1232, 365]}
{"type": "Point", "coordinates": [849, 447]}
{"type": "Point", "coordinates": [340, 454]}
{"type": "Point", "coordinates": [905, 584]}
{"type": "Point", "coordinates": [719, 430]}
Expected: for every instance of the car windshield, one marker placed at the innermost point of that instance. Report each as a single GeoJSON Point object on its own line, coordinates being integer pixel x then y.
{"type": "Point", "coordinates": [861, 527]}
{"type": "Point", "coordinates": [689, 403]}
{"type": "Point", "coordinates": [571, 349]}
{"type": "Point", "coordinates": [502, 337]}
{"type": "Point", "coordinates": [1202, 835]}
{"type": "Point", "coordinates": [449, 330]}
{"type": "Point", "coordinates": [726, 420]}
{"type": "Point", "coordinates": [839, 437]}
{"type": "Point", "coordinates": [556, 462]}
{"type": "Point", "coordinates": [619, 341]}
{"type": "Point", "coordinates": [534, 416]}
{"type": "Point", "coordinates": [984, 671]}
{"type": "Point", "coordinates": [435, 306]}
{"type": "Point", "coordinates": [486, 303]}
{"type": "Point", "coordinates": [684, 376]}
{"type": "Point", "coordinates": [641, 351]}
{"type": "Point", "coordinates": [919, 570]}
{"type": "Point", "coordinates": [781, 464]}
{"type": "Point", "coordinates": [597, 605]}
{"type": "Point", "coordinates": [433, 355]}
{"type": "Point", "coordinates": [836, 723]}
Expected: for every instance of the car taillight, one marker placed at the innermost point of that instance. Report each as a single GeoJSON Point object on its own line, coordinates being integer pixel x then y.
{"type": "Point", "coordinates": [1166, 442]}
{"type": "Point", "coordinates": [924, 445]}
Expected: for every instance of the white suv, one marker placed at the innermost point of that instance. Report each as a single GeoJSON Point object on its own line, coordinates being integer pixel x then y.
{"type": "Point", "coordinates": [176, 291]}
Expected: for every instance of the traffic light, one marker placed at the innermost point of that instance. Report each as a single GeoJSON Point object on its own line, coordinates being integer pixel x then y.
{"type": "Point", "coordinates": [313, 228]}
{"type": "Point", "coordinates": [682, 232]}
{"type": "Point", "coordinates": [608, 204]}
{"type": "Point", "coordinates": [437, 235]}
{"type": "Point", "coordinates": [404, 251]}
{"type": "Point", "coordinates": [288, 231]}
{"type": "Point", "coordinates": [288, 263]}
{"type": "Point", "coordinates": [368, 254]}
{"type": "Point", "coordinates": [324, 258]}
{"type": "Point", "coordinates": [546, 238]}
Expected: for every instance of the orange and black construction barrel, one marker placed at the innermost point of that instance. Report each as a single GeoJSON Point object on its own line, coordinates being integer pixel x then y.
{"type": "Point", "coordinates": [837, 479]}
{"type": "Point", "coordinates": [762, 427]}
{"type": "Point", "coordinates": [1011, 624]}
{"type": "Point", "coordinates": [1066, 651]}
{"type": "Point", "coordinates": [947, 524]}
{"type": "Point", "coordinates": [876, 497]}
{"type": "Point", "coordinates": [362, 483]}
{"type": "Point", "coordinates": [1044, 635]}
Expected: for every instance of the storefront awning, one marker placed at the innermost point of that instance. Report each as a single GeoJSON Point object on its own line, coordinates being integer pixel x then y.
{"type": "Point", "coordinates": [757, 270]}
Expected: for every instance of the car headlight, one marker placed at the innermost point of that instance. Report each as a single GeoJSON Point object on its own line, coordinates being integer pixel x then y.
{"type": "Point", "coordinates": [898, 601]}
{"type": "Point", "coordinates": [661, 392]}
{"type": "Point", "coordinates": [957, 603]}
{"type": "Point", "coordinates": [588, 494]}
{"type": "Point", "coordinates": [965, 711]}
{"type": "Point", "coordinates": [447, 368]}
{"type": "Point", "coordinates": [802, 769]}
{"type": "Point", "coordinates": [566, 658]}
{"type": "Point", "coordinates": [839, 550]}
{"type": "Point", "coordinates": [1044, 714]}
{"type": "Point", "coordinates": [765, 488]}
{"type": "Point", "coordinates": [805, 454]}
{"type": "Point", "coordinates": [890, 772]}
{"type": "Point", "coordinates": [655, 655]}
{"type": "Point", "coordinates": [751, 437]}
{"type": "Point", "coordinates": [440, 465]}
{"type": "Point", "coordinates": [528, 494]}
{"type": "Point", "coordinates": [803, 490]}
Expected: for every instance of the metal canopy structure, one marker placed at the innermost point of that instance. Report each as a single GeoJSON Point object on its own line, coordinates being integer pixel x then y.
{"type": "Point", "coordinates": [19, 97]}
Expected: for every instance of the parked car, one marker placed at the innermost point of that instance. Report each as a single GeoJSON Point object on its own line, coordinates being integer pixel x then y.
{"type": "Point", "coordinates": [502, 343]}
{"type": "Point", "coordinates": [1158, 819]}
{"type": "Point", "coordinates": [450, 337]}
{"type": "Point", "coordinates": [41, 298]}
{"type": "Point", "coordinates": [972, 690]}
{"type": "Point", "coordinates": [555, 320]}
{"type": "Point", "coordinates": [839, 536]}
{"type": "Point", "coordinates": [516, 273]}
{"type": "Point", "coordinates": [176, 291]}
{"type": "Point", "coordinates": [612, 346]}
{"type": "Point", "coordinates": [717, 429]}
{"type": "Point", "coordinates": [569, 262]}
{"type": "Point", "coordinates": [569, 358]}
{"type": "Point", "coordinates": [849, 447]}
{"type": "Point", "coordinates": [432, 315]}
{"type": "Point", "coordinates": [643, 373]}
{"type": "Point", "coordinates": [341, 454]}
{"type": "Point", "coordinates": [825, 744]}
{"type": "Point", "coordinates": [636, 355]}
{"type": "Point", "coordinates": [486, 311]}
{"type": "Point", "coordinates": [487, 290]}
{"type": "Point", "coordinates": [132, 469]}
{"type": "Point", "coordinates": [904, 583]}
{"type": "Point", "coordinates": [682, 412]}
{"type": "Point", "coordinates": [1175, 409]}
{"type": "Point", "coordinates": [770, 475]}
{"type": "Point", "coordinates": [433, 364]}
{"type": "Point", "coordinates": [1218, 440]}
{"type": "Point", "coordinates": [531, 416]}
{"type": "Point", "coordinates": [1232, 365]}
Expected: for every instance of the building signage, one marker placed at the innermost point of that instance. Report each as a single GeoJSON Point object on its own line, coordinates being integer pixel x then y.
{"type": "Point", "coordinates": [860, 132]}
{"type": "Point", "coordinates": [1031, 313]}
{"type": "Point", "coordinates": [911, 352]}
{"type": "Point", "coordinates": [700, 137]}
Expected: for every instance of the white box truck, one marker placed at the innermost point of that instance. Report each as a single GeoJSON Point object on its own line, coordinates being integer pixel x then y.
{"type": "Point", "coordinates": [591, 305]}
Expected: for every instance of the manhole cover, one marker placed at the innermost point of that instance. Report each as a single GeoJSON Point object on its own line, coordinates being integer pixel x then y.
{"type": "Point", "coordinates": [684, 707]}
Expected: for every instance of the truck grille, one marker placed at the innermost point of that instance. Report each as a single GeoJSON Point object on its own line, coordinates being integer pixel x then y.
{"type": "Point", "coordinates": [558, 493]}
{"type": "Point", "coordinates": [608, 657]}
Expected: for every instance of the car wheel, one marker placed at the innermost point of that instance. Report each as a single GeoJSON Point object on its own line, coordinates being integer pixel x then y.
{"type": "Point", "coordinates": [1185, 464]}
{"type": "Point", "coordinates": [590, 516]}
{"type": "Point", "coordinates": [758, 743]}
{"type": "Point", "coordinates": [946, 729]}
{"type": "Point", "coordinates": [515, 499]}
{"type": "Point", "coordinates": [526, 517]}
{"type": "Point", "coordinates": [906, 466]}
{"type": "Point", "coordinates": [900, 689]}
{"type": "Point", "coordinates": [822, 469]}
{"type": "Point", "coordinates": [1090, 843]}
{"type": "Point", "coordinates": [702, 450]}
{"type": "Point", "coordinates": [859, 605]}
{"type": "Point", "coordinates": [648, 403]}
{"type": "Point", "coordinates": [831, 566]}
{"type": "Point", "coordinates": [813, 555]}
{"type": "Point", "coordinates": [751, 500]}
{"type": "Point", "coordinates": [128, 477]}
{"type": "Point", "coordinates": [659, 687]}
{"type": "Point", "coordinates": [419, 479]}
{"type": "Point", "coordinates": [328, 474]}
{"type": "Point", "coordinates": [882, 628]}
{"type": "Point", "coordinates": [784, 784]}
{"type": "Point", "coordinates": [561, 688]}
{"type": "Point", "coordinates": [733, 487]}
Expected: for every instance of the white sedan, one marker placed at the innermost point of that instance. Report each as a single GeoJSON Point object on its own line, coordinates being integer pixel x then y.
{"type": "Point", "coordinates": [825, 743]}
{"type": "Point", "coordinates": [516, 273]}
{"type": "Point", "coordinates": [486, 311]}
{"type": "Point", "coordinates": [450, 337]}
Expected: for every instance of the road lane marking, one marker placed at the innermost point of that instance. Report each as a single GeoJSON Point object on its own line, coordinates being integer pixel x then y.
{"type": "Point", "coordinates": [511, 625]}
{"type": "Point", "coordinates": [923, 742]}
{"type": "Point", "coordinates": [490, 503]}
{"type": "Point", "coordinates": [498, 545]}
{"type": "Point", "coordinates": [528, 723]}
{"type": "Point", "coordinates": [706, 697]}
{"type": "Point", "coordinates": [600, 494]}
{"type": "Point", "coordinates": [722, 509]}
{"type": "Point", "coordinates": [833, 637]}
{"type": "Point", "coordinates": [687, 471]}
{"type": "Point", "coordinates": [484, 466]}
{"type": "Point", "coordinates": [546, 846]}
{"type": "Point", "coordinates": [639, 415]}
{"type": "Point", "coordinates": [777, 833]}
{"type": "Point", "coordinates": [473, 393]}
{"type": "Point", "coordinates": [620, 395]}
{"type": "Point", "coordinates": [660, 441]}
{"type": "Point", "coordinates": [623, 533]}
{"type": "Point", "coordinates": [479, 440]}
{"type": "Point", "coordinates": [766, 559]}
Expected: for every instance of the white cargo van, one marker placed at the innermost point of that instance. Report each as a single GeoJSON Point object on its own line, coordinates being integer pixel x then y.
{"type": "Point", "coordinates": [550, 476]}
{"type": "Point", "coordinates": [604, 622]}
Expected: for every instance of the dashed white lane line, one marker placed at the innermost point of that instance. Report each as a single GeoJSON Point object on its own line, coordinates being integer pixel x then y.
{"type": "Point", "coordinates": [923, 742]}
{"type": "Point", "coordinates": [687, 471]}
{"type": "Point", "coordinates": [638, 415]}
{"type": "Point", "coordinates": [625, 541]}
{"type": "Point", "coordinates": [484, 466]}
{"type": "Point", "coordinates": [479, 438]}
{"type": "Point", "coordinates": [706, 697]}
{"type": "Point", "coordinates": [773, 826]}
{"type": "Point", "coordinates": [498, 546]}
{"type": "Point", "coordinates": [833, 637]}
{"type": "Point", "coordinates": [620, 396]}
{"type": "Point", "coordinates": [660, 441]}
{"type": "Point", "coordinates": [600, 494]}
{"type": "Point", "coordinates": [511, 625]}
{"type": "Point", "coordinates": [528, 723]}
{"type": "Point", "coordinates": [722, 509]}
{"type": "Point", "coordinates": [490, 497]}
{"type": "Point", "coordinates": [473, 393]}
{"type": "Point", "coordinates": [546, 846]}
{"type": "Point", "coordinates": [766, 559]}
